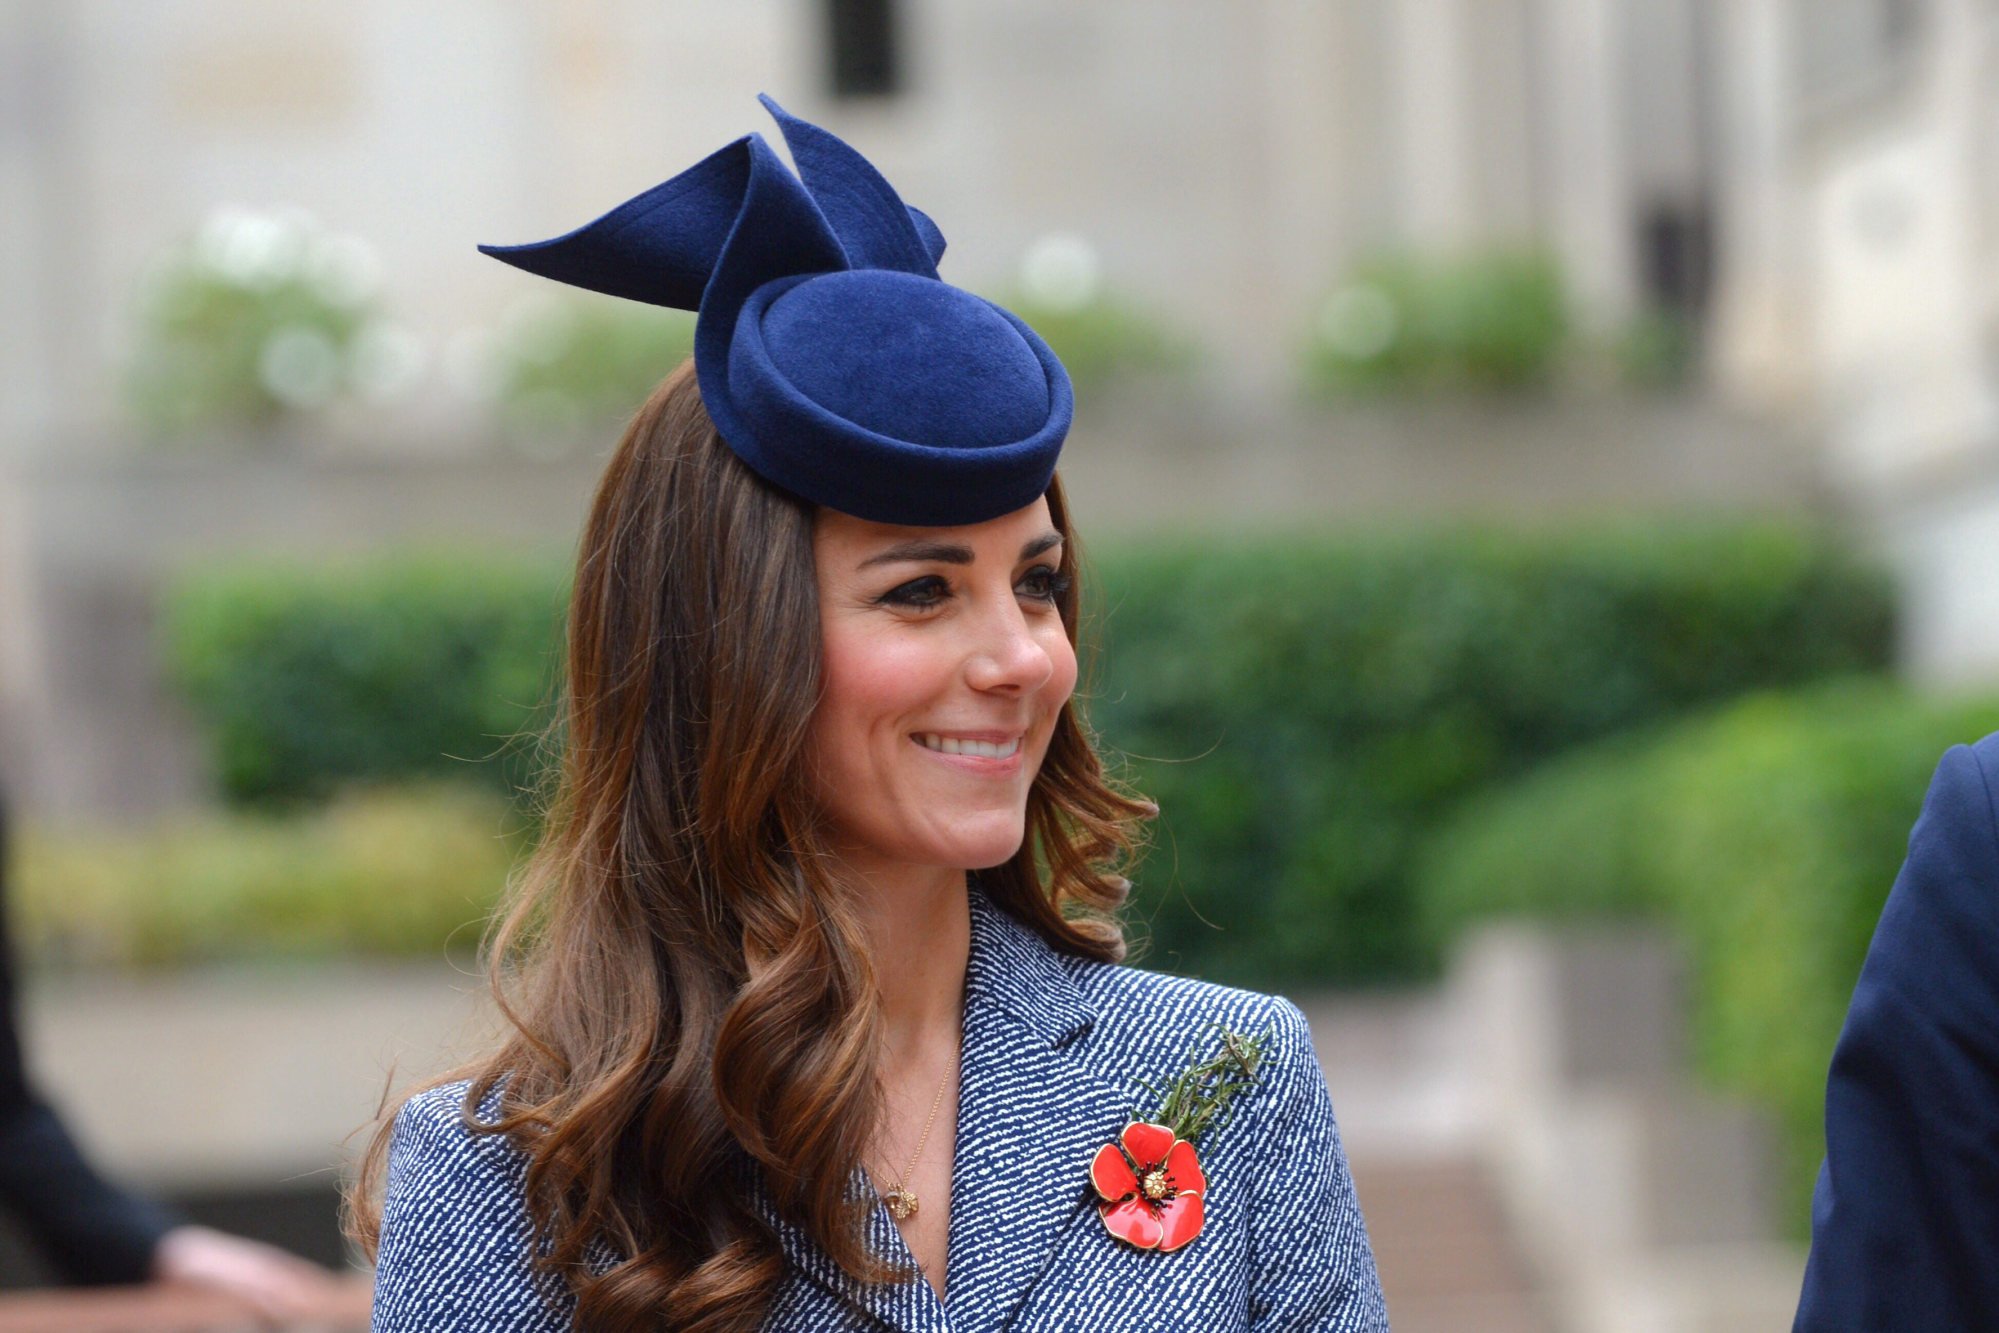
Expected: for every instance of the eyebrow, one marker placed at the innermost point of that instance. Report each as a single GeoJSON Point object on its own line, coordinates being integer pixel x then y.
{"type": "Point", "coordinates": [947, 553]}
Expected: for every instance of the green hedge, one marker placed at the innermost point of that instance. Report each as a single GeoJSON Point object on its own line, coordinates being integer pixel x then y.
{"type": "Point", "coordinates": [404, 871]}
{"type": "Point", "coordinates": [1305, 709]}
{"type": "Point", "coordinates": [306, 679]}
{"type": "Point", "coordinates": [1768, 833]}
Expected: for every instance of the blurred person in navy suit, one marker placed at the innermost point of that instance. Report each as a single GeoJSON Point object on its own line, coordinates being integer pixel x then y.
{"type": "Point", "coordinates": [1905, 1221]}
{"type": "Point", "coordinates": [93, 1233]}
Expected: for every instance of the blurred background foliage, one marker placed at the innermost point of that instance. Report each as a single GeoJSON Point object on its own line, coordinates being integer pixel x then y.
{"type": "Point", "coordinates": [1413, 323]}
{"type": "Point", "coordinates": [257, 318]}
{"type": "Point", "coordinates": [396, 870]}
{"type": "Point", "coordinates": [263, 318]}
{"type": "Point", "coordinates": [1766, 832]}
{"type": "Point", "coordinates": [564, 365]}
{"type": "Point", "coordinates": [1100, 335]}
{"type": "Point", "coordinates": [1656, 350]}
{"type": "Point", "coordinates": [1103, 340]}
{"type": "Point", "coordinates": [1305, 710]}
{"type": "Point", "coordinates": [307, 678]}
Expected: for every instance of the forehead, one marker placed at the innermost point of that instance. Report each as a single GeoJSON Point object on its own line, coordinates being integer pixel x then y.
{"type": "Point", "coordinates": [842, 540]}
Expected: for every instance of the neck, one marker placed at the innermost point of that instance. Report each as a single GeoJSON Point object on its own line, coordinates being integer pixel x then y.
{"type": "Point", "coordinates": [919, 927]}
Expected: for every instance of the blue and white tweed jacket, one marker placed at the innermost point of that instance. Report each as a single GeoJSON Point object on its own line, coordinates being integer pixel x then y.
{"type": "Point", "coordinates": [1054, 1049]}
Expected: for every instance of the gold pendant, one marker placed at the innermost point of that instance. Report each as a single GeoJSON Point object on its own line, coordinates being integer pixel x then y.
{"type": "Point", "coordinates": [901, 1203]}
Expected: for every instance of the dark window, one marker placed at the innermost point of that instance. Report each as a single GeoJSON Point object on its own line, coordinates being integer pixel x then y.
{"type": "Point", "coordinates": [1901, 22]}
{"type": "Point", "coordinates": [1676, 252]}
{"type": "Point", "coordinates": [861, 48]}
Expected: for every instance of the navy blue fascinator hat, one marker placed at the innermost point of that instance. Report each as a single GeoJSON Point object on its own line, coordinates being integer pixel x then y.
{"type": "Point", "coordinates": [831, 357]}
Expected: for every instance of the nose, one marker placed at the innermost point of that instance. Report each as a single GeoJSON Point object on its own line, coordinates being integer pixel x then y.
{"type": "Point", "coordinates": [1008, 658]}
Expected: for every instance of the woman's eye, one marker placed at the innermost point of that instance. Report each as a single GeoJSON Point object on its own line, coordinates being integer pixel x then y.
{"type": "Point", "coordinates": [930, 590]}
{"type": "Point", "coordinates": [1044, 583]}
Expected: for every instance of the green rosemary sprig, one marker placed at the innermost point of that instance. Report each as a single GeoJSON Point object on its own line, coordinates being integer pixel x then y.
{"type": "Point", "coordinates": [1202, 1096]}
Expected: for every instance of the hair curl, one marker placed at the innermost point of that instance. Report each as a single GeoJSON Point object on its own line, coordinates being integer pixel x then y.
{"type": "Point", "coordinates": [689, 991]}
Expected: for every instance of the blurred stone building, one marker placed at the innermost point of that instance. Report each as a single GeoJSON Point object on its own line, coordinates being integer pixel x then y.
{"type": "Point", "coordinates": [1226, 161]}
{"type": "Point", "coordinates": [1864, 217]}
{"type": "Point", "coordinates": [1807, 182]}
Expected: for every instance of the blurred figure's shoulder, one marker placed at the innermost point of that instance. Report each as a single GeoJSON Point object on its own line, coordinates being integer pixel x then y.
{"type": "Point", "coordinates": [1986, 752]}
{"type": "Point", "coordinates": [1960, 803]}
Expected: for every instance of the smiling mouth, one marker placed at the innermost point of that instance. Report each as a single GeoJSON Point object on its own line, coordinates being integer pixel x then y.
{"type": "Point", "coordinates": [1006, 749]}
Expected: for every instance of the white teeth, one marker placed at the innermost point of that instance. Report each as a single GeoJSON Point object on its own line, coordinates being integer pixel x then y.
{"type": "Point", "coordinates": [982, 749]}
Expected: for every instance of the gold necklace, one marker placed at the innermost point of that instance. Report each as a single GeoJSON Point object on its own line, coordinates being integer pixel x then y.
{"type": "Point", "coordinates": [901, 1200]}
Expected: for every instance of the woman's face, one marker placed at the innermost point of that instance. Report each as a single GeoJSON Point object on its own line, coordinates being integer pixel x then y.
{"type": "Point", "coordinates": [945, 666]}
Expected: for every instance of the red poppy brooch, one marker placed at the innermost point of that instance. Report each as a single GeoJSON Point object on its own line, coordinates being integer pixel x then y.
{"type": "Point", "coordinates": [1149, 1183]}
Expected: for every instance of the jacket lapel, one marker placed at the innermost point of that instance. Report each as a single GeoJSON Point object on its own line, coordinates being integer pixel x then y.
{"type": "Point", "coordinates": [1032, 1112]}
{"type": "Point", "coordinates": [911, 1307]}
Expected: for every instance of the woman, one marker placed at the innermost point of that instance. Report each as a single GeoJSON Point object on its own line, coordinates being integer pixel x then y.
{"type": "Point", "coordinates": [818, 1022]}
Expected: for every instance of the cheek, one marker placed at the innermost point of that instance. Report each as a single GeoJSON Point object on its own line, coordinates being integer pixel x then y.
{"type": "Point", "coordinates": [1062, 678]}
{"type": "Point", "coordinates": [869, 681]}
{"type": "Point", "coordinates": [871, 685]}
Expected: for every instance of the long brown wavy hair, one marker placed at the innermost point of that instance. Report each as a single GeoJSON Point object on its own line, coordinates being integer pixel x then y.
{"type": "Point", "coordinates": [688, 985]}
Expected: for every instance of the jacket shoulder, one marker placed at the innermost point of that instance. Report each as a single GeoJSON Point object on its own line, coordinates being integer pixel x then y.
{"type": "Point", "coordinates": [436, 1153]}
{"type": "Point", "coordinates": [1305, 1244]}
{"type": "Point", "coordinates": [1969, 773]}
{"type": "Point", "coordinates": [1954, 846]}
{"type": "Point", "coordinates": [457, 1245]}
{"type": "Point", "coordinates": [1152, 1019]}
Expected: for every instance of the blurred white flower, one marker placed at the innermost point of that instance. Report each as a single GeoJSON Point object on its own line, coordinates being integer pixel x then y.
{"type": "Point", "coordinates": [300, 366]}
{"type": "Point", "coordinates": [258, 250]}
{"type": "Point", "coordinates": [1359, 322]}
{"type": "Point", "coordinates": [1061, 270]}
{"type": "Point", "coordinates": [262, 311]}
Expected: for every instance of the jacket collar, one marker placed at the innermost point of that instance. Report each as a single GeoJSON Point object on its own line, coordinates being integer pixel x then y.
{"type": "Point", "coordinates": [1014, 973]}
{"type": "Point", "coordinates": [1032, 1111]}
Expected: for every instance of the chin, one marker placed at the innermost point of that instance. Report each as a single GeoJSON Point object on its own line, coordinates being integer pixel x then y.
{"type": "Point", "coordinates": [991, 862]}
{"type": "Point", "coordinates": [983, 853]}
